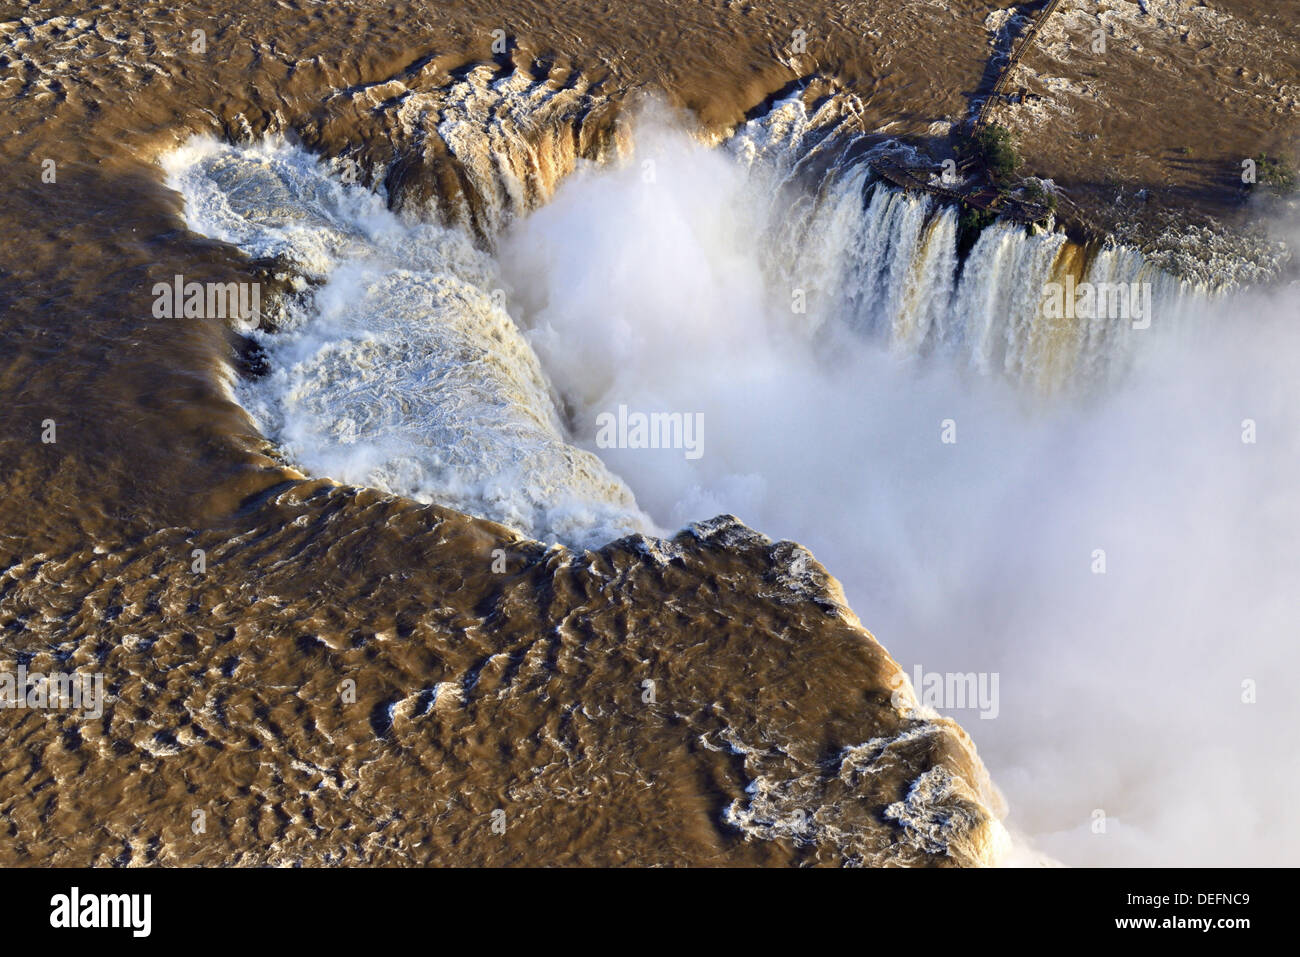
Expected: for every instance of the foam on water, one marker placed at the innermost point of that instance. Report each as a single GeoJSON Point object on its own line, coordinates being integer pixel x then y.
{"type": "Point", "coordinates": [400, 370]}
{"type": "Point", "coordinates": [826, 332]}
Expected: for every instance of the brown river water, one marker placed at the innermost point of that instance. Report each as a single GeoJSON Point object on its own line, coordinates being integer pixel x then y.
{"type": "Point", "coordinates": [304, 670]}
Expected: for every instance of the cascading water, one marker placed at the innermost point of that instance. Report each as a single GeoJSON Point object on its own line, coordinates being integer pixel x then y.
{"type": "Point", "coordinates": [402, 370]}
{"type": "Point", "coordinates": [827, 332]}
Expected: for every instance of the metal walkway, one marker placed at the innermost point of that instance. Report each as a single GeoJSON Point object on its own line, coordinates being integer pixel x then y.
{"type": "Point", "coordinates": [985, 196]}
{"type": "Point", "coordinates": [1025, 43]}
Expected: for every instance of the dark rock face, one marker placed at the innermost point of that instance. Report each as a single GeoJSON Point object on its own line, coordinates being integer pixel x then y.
{"type": "Point", "coordinates": [250, 357]}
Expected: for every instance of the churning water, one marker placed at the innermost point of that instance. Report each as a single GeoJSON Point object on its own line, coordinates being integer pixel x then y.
{"type": "Point", "coordinates": [1100, 511]}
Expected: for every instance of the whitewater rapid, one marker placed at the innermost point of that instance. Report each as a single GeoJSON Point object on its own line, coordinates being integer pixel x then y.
{"type": "Point", "coordinates": [399, 367]}
{"type": "Point", "coordinates": [955, 456]}
{"type": "Point", "coordinates": [410, 362]}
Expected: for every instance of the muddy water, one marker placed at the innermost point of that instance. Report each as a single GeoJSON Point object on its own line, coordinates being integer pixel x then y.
{"type": "Point", "coordinates": [340, 675]}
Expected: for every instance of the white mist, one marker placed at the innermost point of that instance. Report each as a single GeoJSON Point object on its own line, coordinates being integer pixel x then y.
{"type": "Point", "coordinates": [1121, 692]}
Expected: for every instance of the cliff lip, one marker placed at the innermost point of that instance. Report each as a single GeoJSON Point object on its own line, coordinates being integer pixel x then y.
{"type": "Point", "coordinates": [1145, 140]}
{"type": "Point", "coordinates": [773, 724]}
{"type": "Point", "coordinates": [1143, 114]}
{"type": "Point", "coordinates": [317, 583]}
{"type": "Point", "coordinates": [948, 812]}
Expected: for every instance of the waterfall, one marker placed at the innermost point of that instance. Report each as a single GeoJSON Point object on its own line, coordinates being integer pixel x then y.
{"type": "Point", "coordinates": [412, 362]}
{"type": "Point", "coordinates": [890, 261]}
{"type": "Point", "coordinates": [397, 366]}
{"type": "Point", "coordinates": [493, 147]}
{"type": "Point", "coordinates": [885, 263]}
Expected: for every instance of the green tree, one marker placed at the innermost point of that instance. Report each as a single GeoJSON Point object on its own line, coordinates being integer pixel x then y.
{"type": "Point", "coordinates": [997, 150]}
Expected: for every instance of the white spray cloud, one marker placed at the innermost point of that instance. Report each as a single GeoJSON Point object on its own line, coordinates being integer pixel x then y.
{"type": "Point", "coordinates": [670, 287]}
{"type": "Point", "coordinates": [1122, 692]}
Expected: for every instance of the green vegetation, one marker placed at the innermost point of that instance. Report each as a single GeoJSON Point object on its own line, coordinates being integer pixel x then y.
{"type": "Point", "coordinates": [997, 150]}
{"type": "Point", "coordinates": [1033, 192]}
{"type": "Point", "coordinates": [974, 220]}
{"type": "Point", "coordinates": [970, 223]}
{"type": "Point", "coordinates": [1275, 174]}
